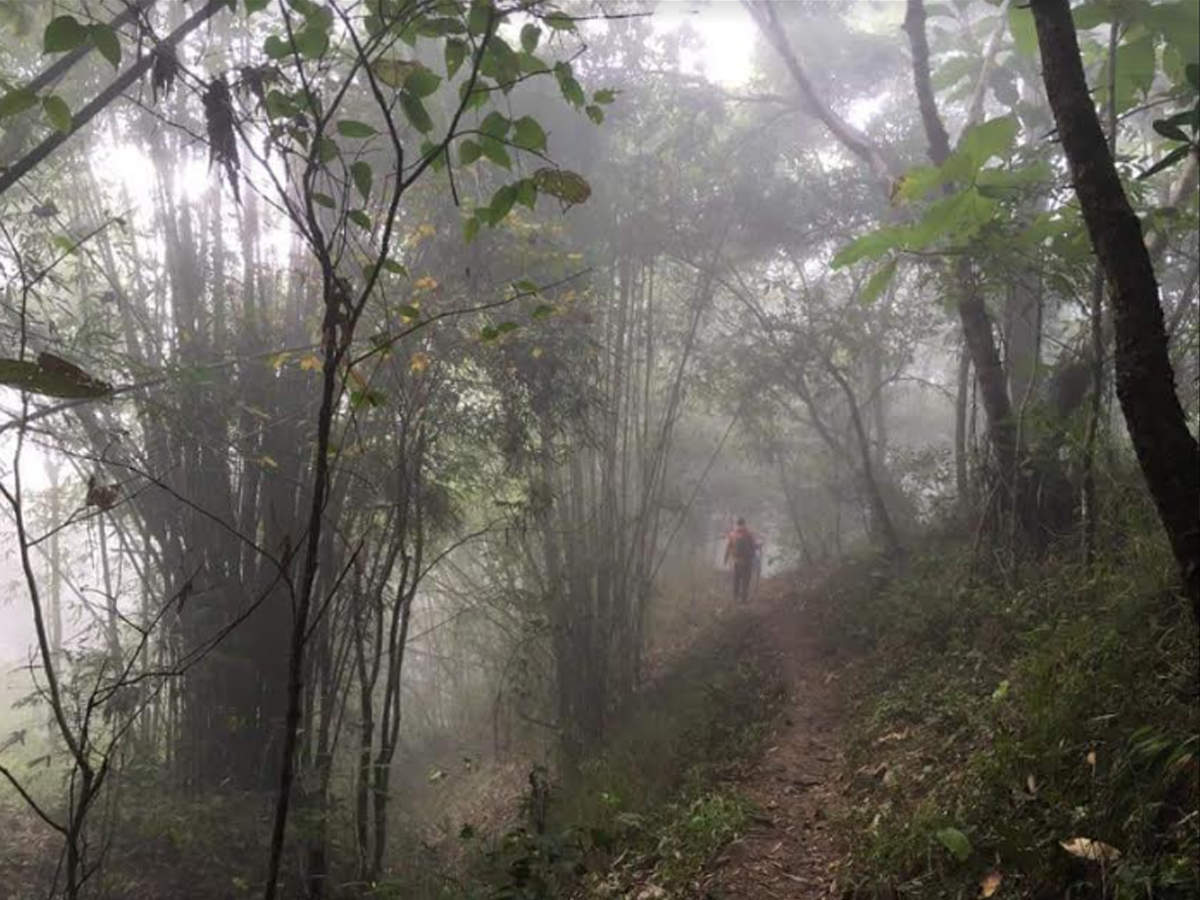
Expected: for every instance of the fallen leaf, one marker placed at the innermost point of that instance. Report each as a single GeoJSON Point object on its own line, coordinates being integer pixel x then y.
{"type": "Point", "coordinates": [1087, 848]}
{"type": "Point", "coordinates": [1091, 760]}
{"type": "Point", "coordinates": [990, 883]}
{"type": "Point", "coordinates": [956, 842]}
{"type": "Point", "coordinates": [1031, 783]}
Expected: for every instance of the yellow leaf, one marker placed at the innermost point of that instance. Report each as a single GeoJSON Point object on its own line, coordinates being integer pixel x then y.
{"type": "Point", "coordinates": [269, 462]}
{"type": "Point", "coordinates": [1086, 848]}
{"type": "Point", "coordinates": [311, 363]}
{"type": "Point", "coordinates": [419, 362]}
{"type": "Point", "coordinates": [990, 883]}
{"type": "Point", "coordinates": [426, 230]}
{"type": "Point", "coordinates": [536, 352]}
{"type": "Point", "coordinates": [278, 361]}
{"type": "Point", "coordinates": [1091, 759]}
{"type": "Point", "coordinates": [427, 283]}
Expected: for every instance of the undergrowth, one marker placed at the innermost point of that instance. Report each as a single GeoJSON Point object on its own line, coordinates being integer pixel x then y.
{"type": "Point", "coordinates": [652, 807]}
{"type": "Point", "coordinates": [1024, 733]}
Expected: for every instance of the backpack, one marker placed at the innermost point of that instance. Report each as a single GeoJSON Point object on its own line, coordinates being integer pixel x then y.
{"type": "Point", "coordinates": [743, 546]}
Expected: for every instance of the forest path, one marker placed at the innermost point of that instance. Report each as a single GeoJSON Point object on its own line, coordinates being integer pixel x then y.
{"type": "Point", "coordinates": [789, 852]}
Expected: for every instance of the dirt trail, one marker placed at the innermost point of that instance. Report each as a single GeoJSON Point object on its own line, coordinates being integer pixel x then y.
{"type": "Point", "coordinates": [789, 852]}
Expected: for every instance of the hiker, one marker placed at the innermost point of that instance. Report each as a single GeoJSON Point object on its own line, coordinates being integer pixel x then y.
{"type": "Point", "coordinates": [743, 548]}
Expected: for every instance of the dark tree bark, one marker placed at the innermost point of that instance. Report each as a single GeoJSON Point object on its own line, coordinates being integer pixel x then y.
{"type": "Point", "coordinates": [961, 482]}
{"type": "Point", "coordinates": [1166, 451]}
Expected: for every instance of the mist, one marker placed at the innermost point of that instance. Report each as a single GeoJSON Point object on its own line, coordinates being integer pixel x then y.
{"type": "Point", "coordinates": [483, 449]}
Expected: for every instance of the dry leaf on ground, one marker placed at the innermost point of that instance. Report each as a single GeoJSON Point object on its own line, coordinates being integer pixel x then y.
{"type": "Point", "coordinates": [1086, 848]}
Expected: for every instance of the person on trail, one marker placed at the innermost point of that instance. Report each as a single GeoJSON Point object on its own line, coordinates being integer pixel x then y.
{"type": "Point", "coordinates": [742, 547]}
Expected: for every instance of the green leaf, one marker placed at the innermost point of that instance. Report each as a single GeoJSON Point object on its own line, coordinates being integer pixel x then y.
{"type": "Point", "coordinates": [468, 152]}
{"type": "Point", "coordinates": [991, 138]}
{"type": "Point", "coordinates": [421, 82]}
{"type": "Point", "coordinates": [362, 175]}
{"type": "Point", "coordinates": [17, 101]}
{"type": "Point", "coordinates": [456, 52]}
{"type": "Point", "coordinates": [62, 34]}
{"type": "Point", "coordinates": [327, 150]}
{"type": "Point", "coordinates": [476, 97]}
{"type": "Point", "coordinates": [871, 245]}
{"type": "Point", "coordinates": [595, 113]}
{"type": "Point", "coordinates": [488, 333]}
{"type": "Point", "coordinates": [501, 203]}
{"type": "Point", "coordinates": [51, 377]}
{"type": "Point", "coordinates": [917, 183]}
{"type": "Point", "coordinates": [367, 397]}
{"type": "Point", "coordinates": [479, 16]}
{"type": "Point", "coordinates": [495, 125]}
{"type": "Point", "coordinates": [105, 39]}
{"type": "Point", "coordinates": [279, 105]}
{"type": "Point", "coordinates": [1089, 15]}
{"type": "Point", "coordinates": [1023, 30]}
{"type": "Point", "coordinates": [359, 218]}
{"type": "Point", "coordinates": [528, 134]}
{"type": "Point", "coordinates": [313, 40]}
{"type": "Point", "coordinates": [956, 842]}
{"type": "Point", "coordinates": [959, 216]}
{"type": "Point", "coordinates": [878, 283]}
{"type": "Point", "coordinates": [409, 312]}
{"type": "Point", "coordinates": [560, 21]}
{"type": "Point", "coordinates": [543, 311]}
{"type": "Point", "coordinates": [567, 84]}
{"type": "Point", "coordinates": [500, 63]}
{"type": "Point", "coordinates": [506, 327]}
{"type": "Point", "coordinates": [437, 154]}
{"type": "Point", "coordinates": [525, 286]}
{"type": "Point", "coordinates": [530, 64]}
{"type": "Point", "coordinates": [276, 47]}
{"type": "Point", "coordinates": [527, 192]}
{"type": "Point", "coordinates": [470, 229]}
{"type": "Point", "coordinates": [1135, 69]}
{"type": "Point", "coordinates": [567, 186]}
{"type": "Point", "coordinates": [1170, 130]}
{"type": "Point", "coordinates": [323, 200]}
{"type": "Point", "coordinates": [393, 72]}
{"type": "Point", "coordinates": [606, 95]}
{"type": "Point", "coordinates": [1192, 73]}
{"type": "Point", "coordinates": [530, 35]}
{"type": "Point", "coordinates": [495, 151]}
{"type": "Point", "coordinates": [354, 129]}
{"type": "Point", "coordinates": [395, 268]}
{"type": "Point", "coordinates": [254, 6]}
{"type": "Point", "coordinates": [415, 112]}
{"type": "Point", "coordinates": [57, 112]}
{"type": "Point", "coordinates": [1167, 161]}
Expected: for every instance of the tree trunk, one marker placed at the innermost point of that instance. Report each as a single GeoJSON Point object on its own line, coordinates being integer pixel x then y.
{"type": "Point", "coordinates": [1166, 451]}
{"type": "Point", "coordinates": [961, 480]}
{"type": "Point", "coordinates": [976, 323]}
{"type": "Point", "coordinates": [879, 512]}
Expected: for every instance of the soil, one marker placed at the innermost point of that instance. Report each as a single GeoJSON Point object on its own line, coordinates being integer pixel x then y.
{"type": "Point", "coordinates": [790, 852]}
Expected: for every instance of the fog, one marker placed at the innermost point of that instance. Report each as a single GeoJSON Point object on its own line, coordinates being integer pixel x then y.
{"type": "Point", "coordinates": [383, 383]}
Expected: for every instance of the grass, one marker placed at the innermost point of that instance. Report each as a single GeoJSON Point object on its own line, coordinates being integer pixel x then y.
{"type": "Point", "coordinates": [1000, 718]}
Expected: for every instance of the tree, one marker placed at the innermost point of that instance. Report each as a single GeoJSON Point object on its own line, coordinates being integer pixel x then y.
{"type": "Point", "coordinates": [1167, 452]}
